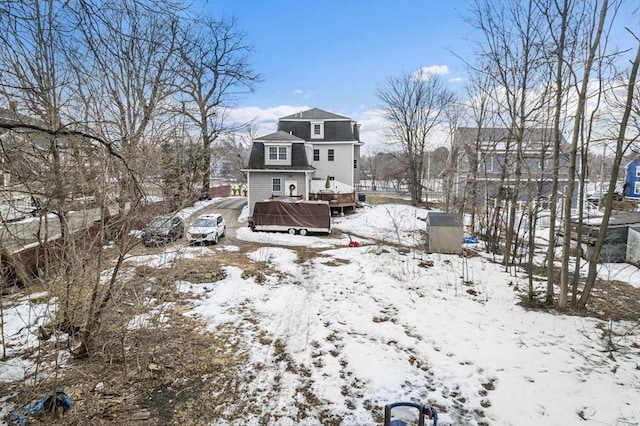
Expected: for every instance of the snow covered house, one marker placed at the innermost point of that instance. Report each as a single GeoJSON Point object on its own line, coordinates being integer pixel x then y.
{"type": "Point", "coordinates": [313, 155]}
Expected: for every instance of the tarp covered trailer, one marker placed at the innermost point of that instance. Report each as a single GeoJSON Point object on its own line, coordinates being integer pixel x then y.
{"type": "Point", "coordinates": [291, 215]}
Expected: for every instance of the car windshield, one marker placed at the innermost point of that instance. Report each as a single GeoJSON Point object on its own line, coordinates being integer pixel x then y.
{"type": "Point", "coordinates": [204, 223]}
{"type": "Point", "coordinates": [160, 223]}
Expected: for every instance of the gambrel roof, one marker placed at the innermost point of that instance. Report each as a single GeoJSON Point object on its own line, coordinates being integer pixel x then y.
{"type": "Point", "coordinates": [298, 155]}
{"type": "Point", "coordinates": [314, 114]}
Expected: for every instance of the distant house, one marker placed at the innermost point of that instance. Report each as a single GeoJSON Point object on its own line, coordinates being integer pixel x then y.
{"type": "Point", "coordinates": [493, 153]}
{"type": "Point", "coordinates": [632, 181]}
{"type": "Point", "coordinates": [444, 233]}
{"type": "Point", "coordinates": [30, 159]}
{"type": "Point", "coordinates": [314, 154]}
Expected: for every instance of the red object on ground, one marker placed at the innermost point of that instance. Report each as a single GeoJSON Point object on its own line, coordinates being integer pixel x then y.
{"type": "Point", "coordinates": [354, 244]}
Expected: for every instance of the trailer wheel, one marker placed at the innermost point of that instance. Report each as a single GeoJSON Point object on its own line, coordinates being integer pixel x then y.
{"type": "Point", "coordinates": [292, 231]}
{"type": "Point", "coordinates": [303, 232]}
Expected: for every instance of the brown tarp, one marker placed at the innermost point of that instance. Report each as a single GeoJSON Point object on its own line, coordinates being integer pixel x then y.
{"type": "Point", "coordinates": [293, 213]}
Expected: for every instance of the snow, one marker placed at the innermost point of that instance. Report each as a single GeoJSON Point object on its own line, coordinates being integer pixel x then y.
{"type": "Point", "coordinates": [365, 326]}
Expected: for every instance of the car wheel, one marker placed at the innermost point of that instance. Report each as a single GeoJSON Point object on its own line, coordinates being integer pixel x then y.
{"type": "Point", "coordinates": [224, 231]}
{"type": "Point", "coordinates": [215, 238]}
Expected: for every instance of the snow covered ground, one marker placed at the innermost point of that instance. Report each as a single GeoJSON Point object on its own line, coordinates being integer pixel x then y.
{"type": "Point", "coordinates": [354, 328]}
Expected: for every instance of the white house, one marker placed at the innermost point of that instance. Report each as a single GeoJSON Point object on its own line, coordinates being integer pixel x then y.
{"type": "Point", "coordinates": [311, 152]}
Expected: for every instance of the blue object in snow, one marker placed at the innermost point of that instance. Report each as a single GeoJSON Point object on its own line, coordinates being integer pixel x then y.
{"type": "Point", "coordinates": [470, 240]}
{"type": "Point", "coordinates": [45, 404]}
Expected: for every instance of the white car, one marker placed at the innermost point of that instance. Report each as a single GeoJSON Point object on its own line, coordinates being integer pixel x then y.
{"type": "Point", "coordinates": [208, 228]}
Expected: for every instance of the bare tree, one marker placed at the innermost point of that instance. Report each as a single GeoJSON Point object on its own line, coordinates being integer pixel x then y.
{"type": "Point", "coordinates": [630, 105]}
{"type": "Point", "coordinates": [215, 72]}
{"type": "Point", "coordinates": [513, 61]}
{"type": "Point", "coordinates": [594, 34]}
{"type": "Point", "coordinates": [414, 106]}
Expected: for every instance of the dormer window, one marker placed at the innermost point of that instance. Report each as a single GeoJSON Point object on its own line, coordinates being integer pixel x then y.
{"type": "Point", "coordinates": [317, 130]}
{"type": "Point", "coordinates": [278, 155]}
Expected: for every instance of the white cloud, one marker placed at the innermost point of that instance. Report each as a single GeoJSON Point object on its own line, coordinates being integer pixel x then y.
{"type": "Point", "coordinates": [298, 92]}
{"type": "Point", "coordinates": [266, 120]}
{"type": "Point", "coordinates": [425, 72]}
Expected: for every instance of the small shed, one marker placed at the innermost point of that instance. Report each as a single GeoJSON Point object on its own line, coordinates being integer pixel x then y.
{"type": "Point", "coordinates": [444, 233]}
{"type": "Point", "coordinates": [633, 245]}
{"type": "Point", "coordinates": [616, 247]}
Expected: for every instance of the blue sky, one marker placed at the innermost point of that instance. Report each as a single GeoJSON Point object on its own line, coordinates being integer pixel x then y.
{"type": "Point", "coordinates": [334, 54]}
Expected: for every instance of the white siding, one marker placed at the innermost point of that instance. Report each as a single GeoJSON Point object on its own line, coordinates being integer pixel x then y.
{"type": "Point", "coordinates": [341, 168]}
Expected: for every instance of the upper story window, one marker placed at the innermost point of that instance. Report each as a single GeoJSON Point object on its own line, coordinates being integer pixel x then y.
{"type": "Point", "coordinates": [543, 164]}
{"type": "Point", "coordinates": [330, 155]}
{"type": "Point", "coordinates": [278, 155]}
{"type": "Point", "coordinates": [488, 164]}
{"type": "Point", "coordinates": [637, 171]}
{"type": "Point", "coordinates": [316, 155]}
{"type": "Point", "coordinates": [317, 130]}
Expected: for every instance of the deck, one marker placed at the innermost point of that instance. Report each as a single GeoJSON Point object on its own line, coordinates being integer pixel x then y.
{"type": "Point", "coordinates": [336, 200]}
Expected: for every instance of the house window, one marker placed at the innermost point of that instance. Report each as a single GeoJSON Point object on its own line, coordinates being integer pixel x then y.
{"type": "Point", "coordinates": [637, 171]}
{"type": "Point", "coordinates": [277, 153]}
{"type": "Point", "coordinates": [543, 164]}
{"type": "Point", "coordinates": [316, 155]}
{"type": "Point", "coordinates": [636, 188]}
{"type": "Point", "coordinates": [355, 164]}
{"type": "Point", "coordinates": [317, 130]}
{"type": "Point", "coordinates": [488, 164]}
{"type": "Point", "coordinates": [273, 153]}
{"type": "Point", "coordinates": [276, 185]}
{"type": "Point", "coordinates": [330, 155]}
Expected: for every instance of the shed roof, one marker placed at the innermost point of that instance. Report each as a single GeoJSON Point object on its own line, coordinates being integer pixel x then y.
{"type": "Point", "coordinates": [622, 219]}
{"type": "Point", "coordinates": [444, 219]}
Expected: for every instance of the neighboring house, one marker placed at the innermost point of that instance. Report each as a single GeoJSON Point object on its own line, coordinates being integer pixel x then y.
{"type": "Point", "coordinates": [29, 163]}
{"type": "Point", "coordinates": [314, 154]}
{"type": "Point", "coordinates": [631, 188]}
{"type": "Point", "coordinates": [444, 233]}
{"type": "Point", "coordinates": [493, 153]}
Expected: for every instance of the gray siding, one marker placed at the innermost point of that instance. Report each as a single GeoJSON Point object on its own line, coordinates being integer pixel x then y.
{"type": "Point", "coordinates": [260, 186]}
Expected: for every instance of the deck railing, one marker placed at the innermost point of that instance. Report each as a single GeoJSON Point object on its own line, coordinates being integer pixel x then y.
{"type": "Point", "coordinates": [334, 198]}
